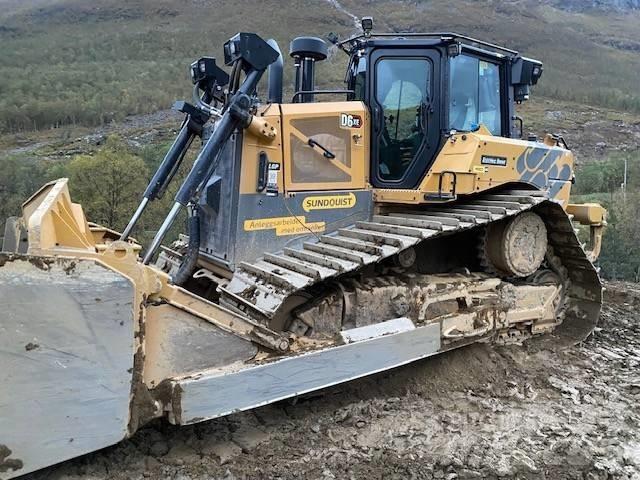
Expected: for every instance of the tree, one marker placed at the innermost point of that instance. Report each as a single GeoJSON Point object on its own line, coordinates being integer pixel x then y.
{"type": "Point", "coordinates": [108, 184]}
{"type": "Point", "coordinates": [620, 258]}
{"type": "Point", "coordinates": [20, 177]}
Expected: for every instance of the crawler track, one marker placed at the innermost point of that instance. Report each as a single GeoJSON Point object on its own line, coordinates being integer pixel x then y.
{"type": "Point", "coordinates": [263, 287]}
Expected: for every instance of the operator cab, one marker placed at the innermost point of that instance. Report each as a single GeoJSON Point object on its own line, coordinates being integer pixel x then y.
{"type": "Point", "coordinates": [421, 87]}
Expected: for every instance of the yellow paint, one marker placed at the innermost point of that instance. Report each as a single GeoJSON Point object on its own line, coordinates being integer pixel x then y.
{"type": "Point", "coordinates": [284, 225]}
{"type": "Point", "coordinates": [329, 202]}
{"type": "Point", "coordinates": [326, 115]}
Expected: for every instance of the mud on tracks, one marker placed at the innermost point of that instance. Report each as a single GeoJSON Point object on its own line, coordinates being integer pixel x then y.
{"type": "Point", "coordinates": [480, 412]}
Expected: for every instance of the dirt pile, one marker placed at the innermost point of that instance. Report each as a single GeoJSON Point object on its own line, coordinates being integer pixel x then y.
{"type": "Point", "coordinates": [510, 412]}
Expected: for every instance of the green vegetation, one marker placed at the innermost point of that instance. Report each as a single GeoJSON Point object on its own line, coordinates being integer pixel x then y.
{"type": "Point", "coordinates": [121, 177]}
{"type": "Point", "coordinates": [601, 182]}
{"type": "Point", "coordinates": [73, 62]}
{"type": "Point", "coordinates": [19, 179]}
{"type": "Point", "coordinates": [108, 184]}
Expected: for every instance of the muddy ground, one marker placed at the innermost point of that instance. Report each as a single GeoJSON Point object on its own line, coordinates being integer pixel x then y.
{"type": "Point", "coordinates": [480, 412]}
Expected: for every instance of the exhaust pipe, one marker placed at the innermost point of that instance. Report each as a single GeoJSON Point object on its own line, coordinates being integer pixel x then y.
{"type": "Point", "coordinates": [275, 72]}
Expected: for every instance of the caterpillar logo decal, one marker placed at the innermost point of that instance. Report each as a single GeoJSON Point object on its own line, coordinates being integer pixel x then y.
{"type": "Point", "coordinates": [328, 202]}
{"type": "Point", "coordinates": [350, 121]}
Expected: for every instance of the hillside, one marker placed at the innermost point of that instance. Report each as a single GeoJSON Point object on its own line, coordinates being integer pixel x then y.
{"type": "Point", "coordinates": [92, 70]}
{"type": "Point", "coordinates": [78, 62]}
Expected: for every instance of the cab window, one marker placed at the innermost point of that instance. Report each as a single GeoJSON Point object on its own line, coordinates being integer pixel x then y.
{"type": "Point", "coordinates": [359, 78]}
{"type": "Point", "coordinates": [402, 90]}
{"type": "Point", "coordinates": [474, 94]}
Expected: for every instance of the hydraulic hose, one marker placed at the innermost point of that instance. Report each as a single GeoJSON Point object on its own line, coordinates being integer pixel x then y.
{"type": "Point", "coordinates": [190, 259]}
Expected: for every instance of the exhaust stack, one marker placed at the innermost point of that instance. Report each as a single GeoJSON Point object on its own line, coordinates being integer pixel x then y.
{"type": "Point", "coordinates": [275, 75]}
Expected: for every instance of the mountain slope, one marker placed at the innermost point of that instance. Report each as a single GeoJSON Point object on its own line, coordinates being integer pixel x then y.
{"type": "Point", "coordinates": [78, 62]}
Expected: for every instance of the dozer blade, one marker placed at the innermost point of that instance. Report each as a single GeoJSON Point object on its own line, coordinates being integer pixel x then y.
{"type": "Point", "coordinates": [72, 356]}
{"type": "Point", "coordinates": [66, 357]}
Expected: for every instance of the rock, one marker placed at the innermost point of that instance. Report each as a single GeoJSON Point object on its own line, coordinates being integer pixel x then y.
{"type": "Point", "coordinates": [554, 115]}
{"type": "Point", "coordinates": [522, 462]}
{"type": "Point", "coordinates": [182, 476]}
{"type": "Point", "coordinates": [446, 461]}
{"type": "Point", "coordinates": [150, 463]}
{"type": "Point", "coordinates": [248, 437]}
{"type": "Point", "coordinates": [228, 475]}
{"type": "Point", "coordinates": [503, 467]}
{"type": "Point", "coordinates": [224, 450]}
{"type": "Point", "coordinates": [159, 448]}
{"type": "Point", "coordinates": [315, 428]}
{"type": "Point", "coordinates": [474, 461]}
{"type": "Point", "coordinates": [465, 474]}
{"type": "Point", "coordinates": [597, 476]}
{"type": "Point", "coordinates": [342, 415]}
{"type": "Point", "coordinates": [327, 475]}
{"type": "Point", "coordinates": [181, 454]}
{"type": "Point", "coordinates": [566, 389]}
{"type": "Point", "coordinates": [631, 455]}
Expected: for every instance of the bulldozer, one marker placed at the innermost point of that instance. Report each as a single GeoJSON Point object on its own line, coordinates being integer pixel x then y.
{"type": "Point", "coordinates": [333, 236]}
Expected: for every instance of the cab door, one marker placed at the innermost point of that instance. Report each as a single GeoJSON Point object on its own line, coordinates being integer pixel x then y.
{"type": "Point", "coordinates": [404, 97]}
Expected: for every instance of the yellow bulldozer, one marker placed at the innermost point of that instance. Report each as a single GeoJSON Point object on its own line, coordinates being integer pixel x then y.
{"type": "Point", "coordinates": [324, 241]}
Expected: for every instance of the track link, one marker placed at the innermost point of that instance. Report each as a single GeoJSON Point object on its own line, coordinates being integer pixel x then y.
{"type": "Point", "coordinates": [261, 288]}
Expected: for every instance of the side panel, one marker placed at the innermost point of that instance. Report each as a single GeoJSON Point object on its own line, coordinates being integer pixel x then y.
{"type": "Point", "coordinates": [66, 360]}
{"type": "Point", "coordinates": [341, 130]}
{"type": "Point", "coordinates": [219, 205]}
{"type": "Point", "coordinates": [495, 161]}
{"type": "Point", "coordinates": [247, 210]}
{"type": "Point", "coordinates": [475, 162]}
{"type": "Point", "coordinates": [268, 224]}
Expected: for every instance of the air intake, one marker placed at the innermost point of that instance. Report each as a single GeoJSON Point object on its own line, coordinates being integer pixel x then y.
{"type": "Point", "coordinates": [306, 51]}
